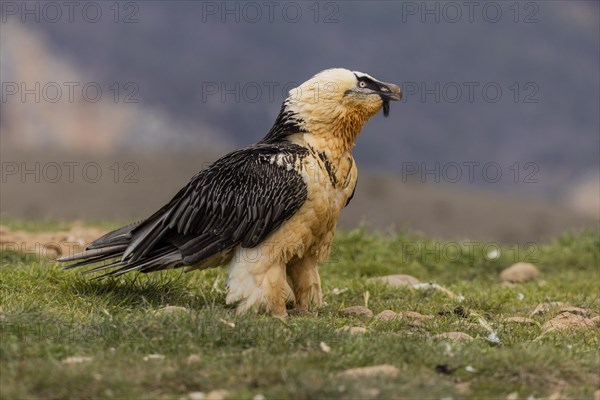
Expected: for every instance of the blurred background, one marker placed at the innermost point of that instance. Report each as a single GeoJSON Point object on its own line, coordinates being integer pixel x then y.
{"type": "Point", "coordinates": [108, 108]}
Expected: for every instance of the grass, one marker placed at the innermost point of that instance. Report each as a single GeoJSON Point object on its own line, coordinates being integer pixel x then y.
{"type": "Point", "coordinates": [47, 315]}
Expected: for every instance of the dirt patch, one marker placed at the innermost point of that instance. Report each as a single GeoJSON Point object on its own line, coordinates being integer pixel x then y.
{"type": "Point", "coordinates": [48, 245]}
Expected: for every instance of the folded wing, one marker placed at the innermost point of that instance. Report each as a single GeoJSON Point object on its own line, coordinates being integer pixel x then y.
{"type": "Point", "coordinates": [240, 199]}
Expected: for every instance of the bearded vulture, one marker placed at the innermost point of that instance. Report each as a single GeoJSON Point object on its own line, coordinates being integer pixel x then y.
{"type": "Point", "coordinates": [268, 211]}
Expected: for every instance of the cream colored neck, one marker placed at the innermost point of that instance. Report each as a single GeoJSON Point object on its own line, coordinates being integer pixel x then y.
{"type": "Point", "coordinates": [335, 145]}
{"type": "Point", "coordinates": [334, 134]}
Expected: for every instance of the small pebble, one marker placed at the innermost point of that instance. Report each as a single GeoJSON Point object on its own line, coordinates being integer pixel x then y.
{"type": "Point", "coordinates": [337, 291]}
{"type": "Point", "coordinates": [460, 337]}
{"type": "Point", "coordinates": [414, 318]}
{"type": "Point", "coordinates": [494, 254]}
{"type": "Point", "coordinates": [324, 347]}
{"type": "Point", "coordinates": [386, 315]}
{"type": "Point", "coordinates": [375, 370]}
{"type": "Point", "coordinates": [227, 323]}
{"type": "Point", "coordinates": [396, 280]}
{"type": "Point", "coordinates": [567, 321]}
{"type": "Point", "coordinates": [219, 394]}
{"type": "Point", "coordinates": [354, 330]}
{"type": "Point", "coordinates": [76, 360]}
{"type": "Point", "coordinates": [154, 357]}
{"type": "Point", "coordinates": [193, 359]}
{"type": "Point", "coordinates": [359, 311]}
{"type": "Point", "coordinates": [519, 272]}
{"type": "Point", "coordinates": [493, 338]}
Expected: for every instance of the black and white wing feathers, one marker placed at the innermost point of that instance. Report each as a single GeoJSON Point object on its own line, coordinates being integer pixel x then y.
{"type": "Point", "coordinates": [240, 199]}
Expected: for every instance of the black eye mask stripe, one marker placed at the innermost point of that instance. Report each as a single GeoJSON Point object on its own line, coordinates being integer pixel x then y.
{"type": "Point", "coordinates": [376, 87]}
{"type": "Point", "coordinates": [370, 84]}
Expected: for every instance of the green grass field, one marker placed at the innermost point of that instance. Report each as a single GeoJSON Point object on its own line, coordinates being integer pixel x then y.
{"type": "Point", "coordinates": [48, 315]}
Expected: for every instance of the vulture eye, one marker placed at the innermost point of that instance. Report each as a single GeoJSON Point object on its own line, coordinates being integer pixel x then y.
{"type": "Point", "coordinates": [362, 84]}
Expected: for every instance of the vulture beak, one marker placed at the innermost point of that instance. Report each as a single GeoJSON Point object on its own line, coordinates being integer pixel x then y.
{"type": "Point", "coordinates": [389, 92]}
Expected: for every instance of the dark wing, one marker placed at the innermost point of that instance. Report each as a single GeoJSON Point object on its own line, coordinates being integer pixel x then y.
{"type": "Point", "coordinates": [240, 199]}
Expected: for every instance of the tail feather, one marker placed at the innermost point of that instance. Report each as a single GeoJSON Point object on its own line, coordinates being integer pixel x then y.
{"type": "Point", "coordinates": [114, 248]}
{"type": "Point", "coordinates": [166, 256]}
{"type": "Point", "coordinates": [114, 264]}
{"type": "Point", "coordinates": [90, 261]}
{"type": "Point", "coordinates": [161, 261]}
{"type": "Point", "coordinates": [119, 236]}
{"type": "Point", "coordinates": [124, 250]}
{"type": "Point", "coordinates": [143, 241]}
{"type": "Point", "coordinates": [93, 253]}
{"type": "Point", "coordinates": [158, 262]}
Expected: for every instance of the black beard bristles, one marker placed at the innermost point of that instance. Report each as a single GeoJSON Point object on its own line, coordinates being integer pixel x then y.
{"type": "Point", "coordinates": [386, 108]}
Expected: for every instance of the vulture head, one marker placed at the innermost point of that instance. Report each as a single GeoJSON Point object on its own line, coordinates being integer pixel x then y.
{"type": "Point", "coordinates": [333, 105]}
{"type": "Point", "coordinates": [338, 92]}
